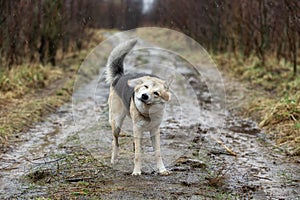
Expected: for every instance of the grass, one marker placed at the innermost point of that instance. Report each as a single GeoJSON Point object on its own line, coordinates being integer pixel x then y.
{"type": "Point", "coordinates": [30, 91]}
{"type": "Point", "coordinates": [275, 96]}
{"type": "Point", "coordinates": [21, 104]}
{"type": "Point", "coordinates": [20, 80]}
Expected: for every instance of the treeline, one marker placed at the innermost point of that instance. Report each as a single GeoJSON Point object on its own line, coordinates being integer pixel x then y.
{"type": "Point", "coordinates": [37, 30]}
{"type": "Point", "coordinates": [260, 27]}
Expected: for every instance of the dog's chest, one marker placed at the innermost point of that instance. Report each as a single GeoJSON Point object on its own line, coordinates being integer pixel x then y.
{"type": "Point", "coordinates": [151, 118]}
{"type": "Point", "coordinates": [148, 124]}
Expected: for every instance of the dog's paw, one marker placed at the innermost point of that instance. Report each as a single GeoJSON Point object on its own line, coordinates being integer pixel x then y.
{"type": "Point", "coordinates": [136, 173]}
{"type": "Point", "coordinates": [164, 172]}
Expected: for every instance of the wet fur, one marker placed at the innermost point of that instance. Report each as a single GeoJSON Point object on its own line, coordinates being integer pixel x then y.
{"type": "Point", "coordinates": [125, 99]}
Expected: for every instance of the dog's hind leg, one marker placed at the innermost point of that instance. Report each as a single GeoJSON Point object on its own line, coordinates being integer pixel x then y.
{"type": "Point", "coordinates": [116, 129]}
{"type": "Point", "coordinates": [155, 139]}
{"type": "Point", "coordinates": [117, 113]}
{"type": "Point", "coordinates": [115, 142]}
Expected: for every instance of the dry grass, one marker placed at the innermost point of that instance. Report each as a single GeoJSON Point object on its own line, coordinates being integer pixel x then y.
{"type": "Point", "coordinates": [278, 109]}
{"type": "Point", "coordinates": [21, 80]}
{"type": "Point", "coordinates": [27, 94]}
{"type": "Point", "coordinates": [29, 91]}
{"type": "Point", "coordinates": [283, 119]}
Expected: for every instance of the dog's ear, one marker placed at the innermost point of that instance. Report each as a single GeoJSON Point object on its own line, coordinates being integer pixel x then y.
{"type": "Point", "coordinates": [166, 96]}
{"type": "Point", "coordinates": [134, 82]}
{"type": "Point", "coordinates": [169, 81]}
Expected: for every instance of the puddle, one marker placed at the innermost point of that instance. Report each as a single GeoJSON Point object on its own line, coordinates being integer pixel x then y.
{"type": "Point", "coordinates": [198, 144]}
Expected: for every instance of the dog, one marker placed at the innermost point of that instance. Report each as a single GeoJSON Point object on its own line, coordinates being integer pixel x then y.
{"type": "Point", "coordinates": [140, 96]}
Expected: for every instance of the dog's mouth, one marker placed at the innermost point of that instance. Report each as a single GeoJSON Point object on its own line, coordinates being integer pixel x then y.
{"type": "Point", "coordinates": [145, 101]}
{"type": "Point", "coordinates": [148, 103]}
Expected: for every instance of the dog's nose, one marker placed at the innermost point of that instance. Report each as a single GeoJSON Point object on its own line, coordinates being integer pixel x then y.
{"type": "Point", "coordinates": [145, 96]}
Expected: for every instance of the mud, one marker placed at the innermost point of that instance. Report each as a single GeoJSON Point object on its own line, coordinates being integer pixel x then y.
{"type": "Point", "coordinates": [209, 158]}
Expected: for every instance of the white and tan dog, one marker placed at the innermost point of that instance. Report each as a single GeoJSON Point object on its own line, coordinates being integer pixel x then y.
{"type": "Point", "coordinates": [139, 96]}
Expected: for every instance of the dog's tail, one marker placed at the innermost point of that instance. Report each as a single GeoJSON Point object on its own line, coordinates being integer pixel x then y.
{"type": "Point", "coordinates": [114, 66]}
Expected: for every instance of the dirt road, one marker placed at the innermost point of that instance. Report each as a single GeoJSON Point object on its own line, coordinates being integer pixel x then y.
{"type": "Point", "coordinates": [61, 160]}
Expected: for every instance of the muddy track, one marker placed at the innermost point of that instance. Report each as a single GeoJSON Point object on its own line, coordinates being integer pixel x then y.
{"type": "Point", "coordinates": [61, 161]}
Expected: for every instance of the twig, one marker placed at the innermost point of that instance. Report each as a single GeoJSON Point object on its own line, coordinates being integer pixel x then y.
{"type": "Point", "coordinates": [227, 148]}
{"type": "Point", "coordinates": [8, 167]}
{"type": "Point", "coordinates": [45, 162]}
{"type": "Point", "coordinates": [293, 117]}
{"type": "Point", "coordinates": [260, 177]}
{"type": "Point", "coordinates": [72, 180]}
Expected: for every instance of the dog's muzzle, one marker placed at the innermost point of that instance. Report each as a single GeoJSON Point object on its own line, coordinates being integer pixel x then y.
{"type": "Point", "coordinates": [145, 99]}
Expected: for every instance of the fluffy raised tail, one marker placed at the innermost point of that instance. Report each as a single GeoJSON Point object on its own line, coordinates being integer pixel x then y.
{"type": "Point", "coordinates": [114, 66]}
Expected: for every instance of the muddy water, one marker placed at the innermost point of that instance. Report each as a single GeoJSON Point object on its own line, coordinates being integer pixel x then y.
{"type": "Point", "coordinates": [200, 146]}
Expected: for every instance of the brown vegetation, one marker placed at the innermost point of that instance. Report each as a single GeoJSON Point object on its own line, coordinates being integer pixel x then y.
{"type": "Point", "coordinates": [274, 99]}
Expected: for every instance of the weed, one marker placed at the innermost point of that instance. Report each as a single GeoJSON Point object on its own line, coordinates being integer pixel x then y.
{"type": "Point", "coordinates": [223, 196]}
{"type": "Point", "coordinates": [82, 192]}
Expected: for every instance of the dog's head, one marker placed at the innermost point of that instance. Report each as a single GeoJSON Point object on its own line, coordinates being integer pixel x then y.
{"type": "Point", "coordinates": [151, 90]}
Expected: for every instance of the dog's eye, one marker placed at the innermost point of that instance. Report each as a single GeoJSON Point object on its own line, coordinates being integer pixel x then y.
{"type": "Point", "coordinates": [156, 93]}
{"type": "Point", "coordinates": [146, 86]}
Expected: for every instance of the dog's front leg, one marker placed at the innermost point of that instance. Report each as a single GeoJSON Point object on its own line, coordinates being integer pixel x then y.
{"type": "Point", "coordinates": [137, 133]}
{"type": "Point", "coordinates": [155, 139]}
